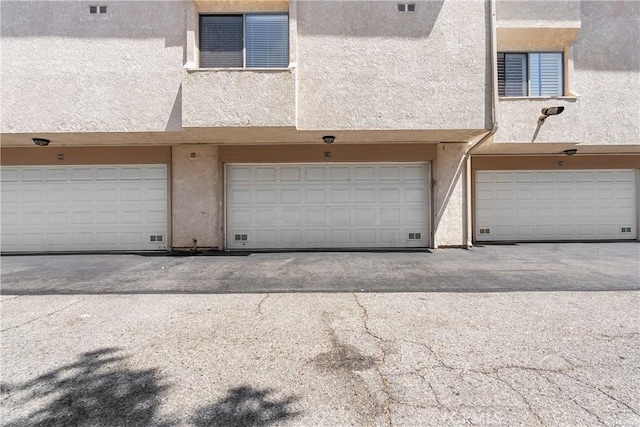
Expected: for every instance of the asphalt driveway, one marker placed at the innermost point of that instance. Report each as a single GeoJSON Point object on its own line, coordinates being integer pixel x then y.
{"type": "Point", "coordinates": [530, 267]}
{"type": "Point", "coordinates": [111, 340]}
{"type": "Point", "coordinates": [307, 359]}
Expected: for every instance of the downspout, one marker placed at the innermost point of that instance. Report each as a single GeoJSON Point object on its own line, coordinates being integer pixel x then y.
{"type": "Point", "coordinates": [494, 119]}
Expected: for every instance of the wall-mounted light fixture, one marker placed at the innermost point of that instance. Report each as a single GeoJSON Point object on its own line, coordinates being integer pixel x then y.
{"type": "Point", "coordinates": [570, 151]}
{"type": "Point", "coordinates": [41, 142]}
{"type": "Point", "coordinates": [550, 111]}
{"type": "Point", "coordinates": [328, 139]}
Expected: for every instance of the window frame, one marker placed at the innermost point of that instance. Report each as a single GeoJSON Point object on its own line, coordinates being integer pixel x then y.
{"type": "Point", "coordinates": [562, 74]}
{"type": "Point", "coordinates": [244, 38]}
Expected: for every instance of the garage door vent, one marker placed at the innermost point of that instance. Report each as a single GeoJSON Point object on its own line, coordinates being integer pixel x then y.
{"type": "Point", "coordinates": [485, 231]}
{"type": "Point", "coordinates": [156, 238]}
{"type": "Point", "coordinates": [415, 236]}
{"type": "Point", "coordinates": [625, 230]}
{"type": "Point", "coordinates": [241, 237]}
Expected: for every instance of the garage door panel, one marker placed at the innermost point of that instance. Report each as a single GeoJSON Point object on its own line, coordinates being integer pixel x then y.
{"type": "Point", "coordinates": [239, 175]}
{"type": "Point", "coordinates": [106, 195]}
{"type": "Point", "coordinates": [240, 197]}
{"type": "Point", "coordinates": [131, 174]}
{"type": "Point", "coordinates": [340, 216]}
{"type": "Point", "coordinates": [415, 173]}
{"type": "Point", "coordinates": [389, 195]}
{"type": "Point", "coordinates": [364, 217]}
{"type": "Point", "coordinates": [484, 195]}
{"type": "Point", "coordinates": [69, 208]}
{"type": "Point", "coordinates": [524, 230]}
{"type": "Point", "coordinates": [291, 216]}
{"type": "Point", "coordinates": [312, 174]}
{"type": "Point", "coordinates": [389, 173]}
{"type": "Point", "coordinates": [414, 195]}
{"type": "Point", "coordinates": [390, 215]}
{"type": "Point", "coordinates": [265, 174]}
{"type": "Point", "coordinates": [329, 206]}
{"type": "Point", "coordinates": [566, 230]}
{"type": "Point", "coordinates": [339, 173]}
{"type": "Point", "coordinates": [291, 237]}
{"type": "Point", "coordinates": [364, 173]}
{"type": "Point", "coordinates": [390, 237]}
{"type": "Point", "coordinates": [339, 196]}
{"type": "Point", "coordinates": [291, 196]}
{"type": "Point", "coordinates": [290, 174]}
{"type": "Point", "coordinates": [54, 174]}
{"type": "Point", "coordinates": [316, 236]}
{"type": "Point", "coordinates": [315, 216]}
{"type": "Point", "coordinates": [567, 205]}
{"type": "Point", "coordinates": [33, 175]}
{"type": "Point", "coordinates": [608, 176]}
{"type": "Point", "coordinates": [315, 196]}
{"type": "Point", "coordinates": [341, 236]}
{"type": "Point", "coordinates": [367, 195]}
{"type": "Point", "coordinates": [364, 236]}
{"type": "Point", "coordinates": [107, 174]}
{"type": "Point", "coordinates": [33, 196]}
{"type": "Point", "coordinates": [504, 195]}
{"type": "Point", "coordinates": [415, 216]}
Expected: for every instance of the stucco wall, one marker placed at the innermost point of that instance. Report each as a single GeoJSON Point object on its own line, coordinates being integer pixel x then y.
{"type": "Point", "coordinates": [363, 64]}
{"type": "Point", "coordinates": [64, 69]}
{"type": "Point", "coordinates": [196, 196]}
{"type": "Point", "coordinates": [602, 71]}
{"type": "Point", "coordinates": [238, 98]}
{"type": "Point", "coordinates": [449, 208]}
{"type": "Point", "coordinates": [537, 13]}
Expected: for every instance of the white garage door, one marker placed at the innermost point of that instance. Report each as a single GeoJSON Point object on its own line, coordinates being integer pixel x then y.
{"type": "Point", "coordinates": [84, 208]}
{"type": "Point", "coordinates": [555, 205]}
{"type": "Point", "coordinates": [327, 206]}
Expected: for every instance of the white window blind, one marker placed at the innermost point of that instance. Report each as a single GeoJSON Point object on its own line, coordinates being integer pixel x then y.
{"type": "Point", "coordinates": [515, 74]}
{"type": "Point", "coordinates": [221, 41]}
{"type": "Point", "coordinates": [252, 40]}
{"type": "Point", "coordinates": [530, 74]}
{"type": "Point", "coordinates": [545, 74]}
{"type": "Point", "coordinates": [267, 41]}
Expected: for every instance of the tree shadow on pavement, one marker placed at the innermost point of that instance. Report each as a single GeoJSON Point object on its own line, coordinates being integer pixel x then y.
{"type": "Point", "coordinates": [247, 407]}
{"type": "Point", "coordinates": [97, 389]}
{"type": "Point", "coordinates": [100, 389]}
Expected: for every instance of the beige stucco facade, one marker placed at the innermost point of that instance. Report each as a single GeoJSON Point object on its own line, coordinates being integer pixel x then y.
{"type": "Point", "coordinates": [601, 79]}
{"type": "Point", "coordinates": [127, 87]}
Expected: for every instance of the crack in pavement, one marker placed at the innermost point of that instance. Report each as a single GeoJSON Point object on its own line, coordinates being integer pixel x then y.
{"type": "Point", "coordinates": [608, 338]}
{"type": "Point", "coordinates": [430, 350]}
{"type": "Point", "coordinates": [494, 374]}
{"type": "Point", "coordinates": [260, 305]}
{"type": "Point", "coordinates": [516, 391]}
{"type": "Point", "coordinates": [381, 361]}
{"type": "Point", "coordinates": [435, 394]}
{"type": "Point", "coordinates": [539, 371]}
{"type": "Point", "coordinates": [41, 317]}
{"type": "Point", "coordinates": [603, 392]}
{"type": "Point", "coordinates": [600, 420]}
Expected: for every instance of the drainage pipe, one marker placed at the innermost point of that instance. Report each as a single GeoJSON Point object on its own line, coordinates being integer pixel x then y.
{"type": "Point", "coordinates": [494, 119]}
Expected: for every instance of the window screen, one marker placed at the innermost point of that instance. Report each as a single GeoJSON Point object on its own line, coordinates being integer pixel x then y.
{"type": "Point", "coordinates": [221, 41]}
{"type": "Point", "coordinates": [545, 74]}
{"type": "Point", "coordinates": [252, 40]}
{"type": "Point", "coordinates": [512, 74]}
{"type": "Point", "coordinates": [530, 74]}
{"type": "Point", "coordinates": [267, 40]}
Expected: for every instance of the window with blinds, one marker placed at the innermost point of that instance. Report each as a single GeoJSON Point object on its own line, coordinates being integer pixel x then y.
{"type": "Point", "coordinates": [251, 41]}
{"type": "Point", "coordinates": [530, 74]}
